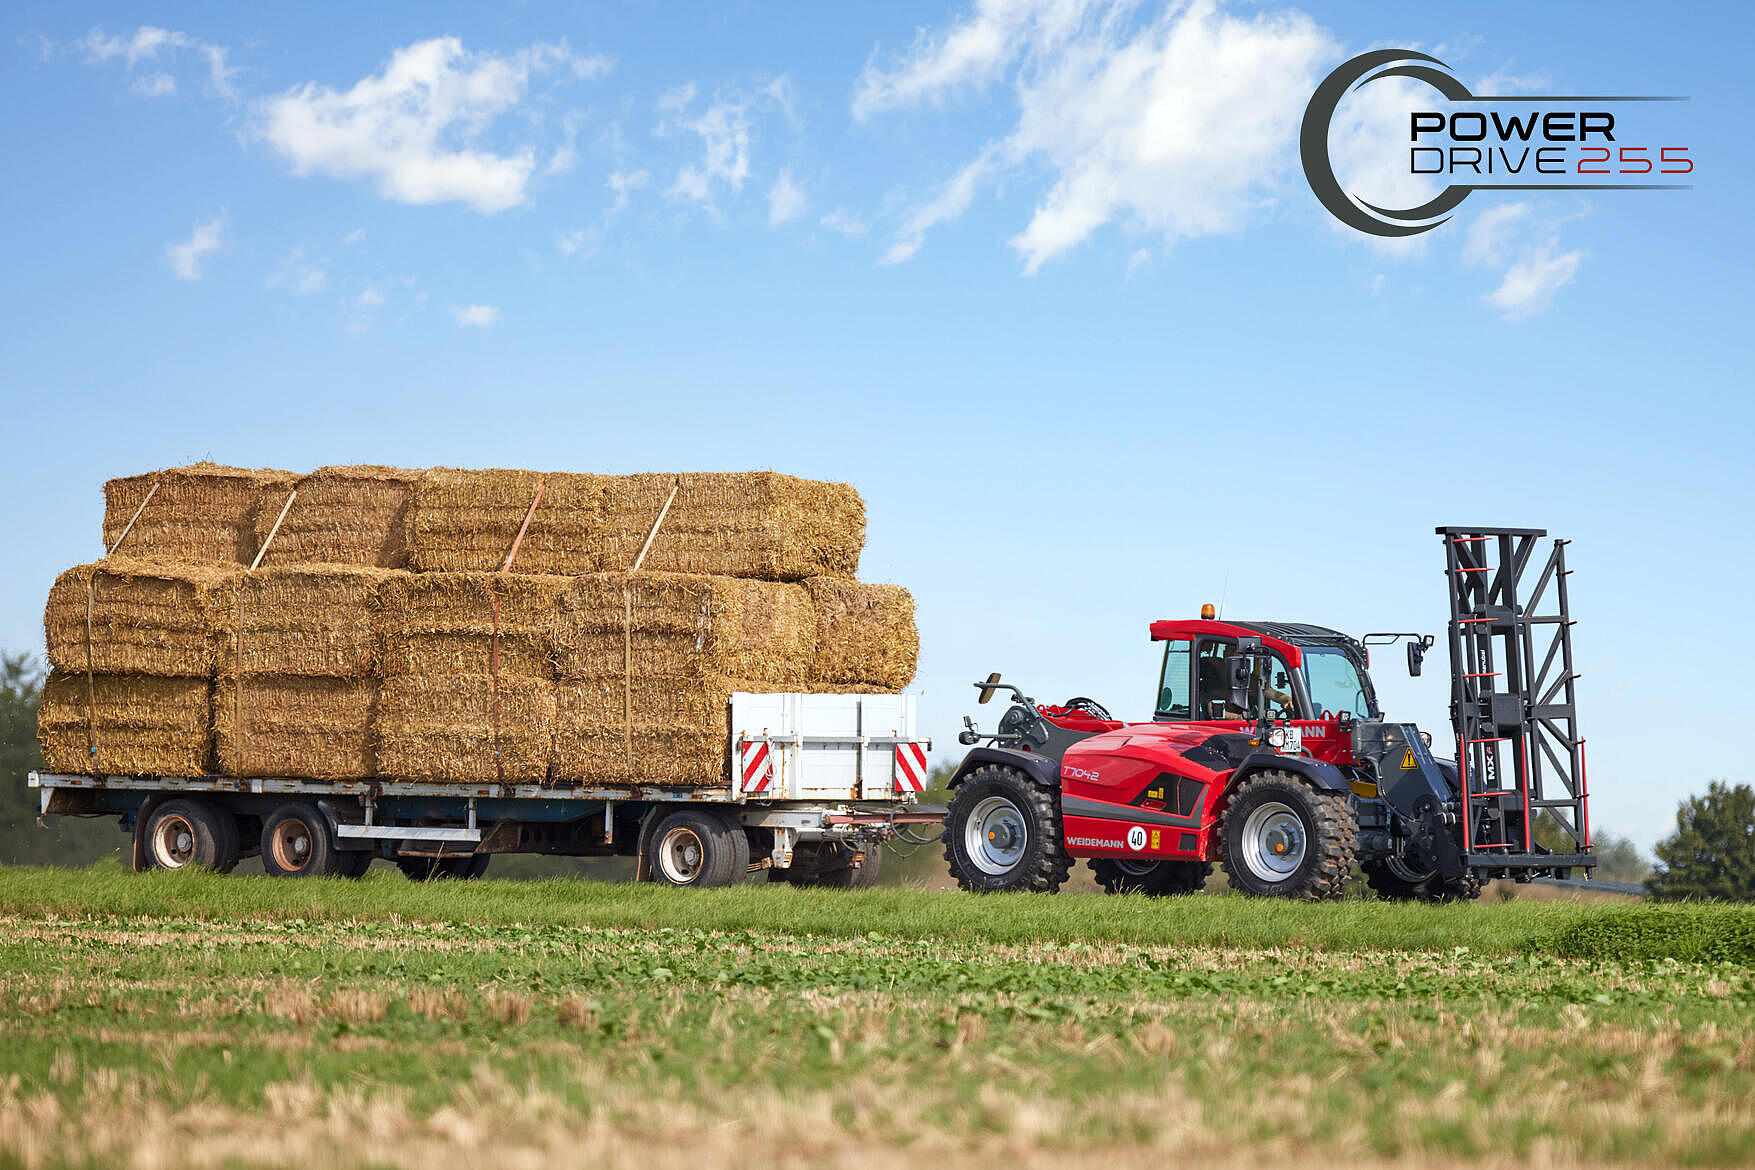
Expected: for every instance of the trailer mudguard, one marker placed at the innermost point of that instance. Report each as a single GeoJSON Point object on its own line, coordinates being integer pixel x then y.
{"type": "Point", "coordinates": [1043, 769]}
{"type": "Point", "coordinates": [1317, 773]}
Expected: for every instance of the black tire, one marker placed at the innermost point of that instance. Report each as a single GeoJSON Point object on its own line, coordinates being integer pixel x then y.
{"type": "Point", "coordinates": [1394, 880]}
{"type": "Point", "coordinates": [463, 868]}
{"type": "Point", "coordinates": [830, 867]}
{"type": "Point", "coordinates": [1003, 832]}
{"type": "Point", "coordinates": [698, 849]}
{"type": "Point", "coordinates": [1160, 879]}
{"type": "Point", "coordinates": [231, 843]}
{"type": "Point", "coordinates": [190, 834]}
{"type": "Point", "coordinates": [354, 862]}
{"type": "Point", "coordinates": [1283, 838]}
{"type": "Point", "coordinates": [296, 842]}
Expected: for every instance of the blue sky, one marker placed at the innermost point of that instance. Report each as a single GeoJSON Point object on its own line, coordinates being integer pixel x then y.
{"type": "Point", "coordinates": [1041, 277]}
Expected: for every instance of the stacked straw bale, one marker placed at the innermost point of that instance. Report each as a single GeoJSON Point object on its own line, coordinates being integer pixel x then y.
{"type": "Point", "coordinates": [463, 521]}
{"type": "Point", "coordinates": [125, 724]}
{"type": "Point", "coordinates": [205, 513]}
{"type": "Point", "coordinates": [676, 730]}
{"type": "Point", "coordinates": [440, 728]}
{"type": "Point", "coordinates": [144, 618]}
{"type": "Point", "coordinates": [443, 624]}
{"type": "Point", "coordinates": [866, 637]}
{"type": "Point", "coordinates": [295, 693]}
{"type": "Point", "coordinates": [343, 516]}
{"type": "Point", "coordinates": [686, 626]}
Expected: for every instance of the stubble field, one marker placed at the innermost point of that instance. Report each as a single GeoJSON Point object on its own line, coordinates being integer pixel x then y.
{"type": "Point", "coordinates": [191, 1020]}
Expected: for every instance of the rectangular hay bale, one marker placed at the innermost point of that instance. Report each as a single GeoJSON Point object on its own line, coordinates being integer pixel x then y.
{"type": "Point", "coordinates": [314, 620]}
{"type": "Point", "coordinates": [343, 516]}
{"type": "Point", "coordinates": [145, 617]}
{"type": "Point", "coordinates": [139, 724]}
{"type": "Point", "coordinates": [205, 513]}
{"type": "Point", "coordinates": [443, 624]}
{"type": "Point", "coordinates": [287, 725]}
{"type": "Point", "coordinates": [440, 728]}
{"type": "Point", "coordinates": [686, 625]}
{"type": "Point", "coordinates": [680, 730]}
{"type": "Point", "coordinates": [866, 636]}
{"type": "Point", "coordinates": [466, 521]}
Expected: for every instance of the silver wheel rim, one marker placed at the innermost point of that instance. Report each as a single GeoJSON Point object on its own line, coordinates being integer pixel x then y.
{"type": "Point", "coordinates": [1274, 841]}
{"type": "Point", "coordinates": [996, 835]}
{"type": "Point", "coordinates": [681, 855]}
{"type": "Point", "coordinates": [173, 842]}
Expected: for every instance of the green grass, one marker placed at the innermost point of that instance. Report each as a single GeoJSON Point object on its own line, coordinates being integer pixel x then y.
{"type": "Point", "coordinates": [199, 1020]}
{"type": "Point", "coordinates": [1492, 928]}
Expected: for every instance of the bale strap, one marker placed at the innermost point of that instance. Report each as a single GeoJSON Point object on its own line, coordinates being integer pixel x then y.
{"type": "Point", "coordinates": [90, 611]}
{"type": "Point", "coordinates": [272, 532]}
{"type": "Point", "coordinates": [494, 642]}
{"type": "Point", "coordinates": [238, 633]}
{"type": "Point", "coordinates": [628, 628]}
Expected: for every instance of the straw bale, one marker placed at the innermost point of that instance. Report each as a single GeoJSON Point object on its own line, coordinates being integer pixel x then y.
{"type": "Point", "coordinates": [286, 725]}
{"type": "Point", "coordinates": [680, 729]}
{"type": "Point", "coordinates": [866, 637]}
{"type": "Point", "coordinates": [141, 724]}
{"type": "Point", "coordinates": [443, 623]}
{"type": "Point", "coordinates": [146, 618]}
{"type": "Point", "coordinates": [467, 520]}
{"type": "Point", "coordinates": [204, 513]}
{"type": "Point", "coordinates": [687, 625]}
{"type": "Point", "coordinates": [739, 524]}
{"type": "Point", "coordinates": [314, 620]}
{"type": "Point", "coordinates": [440, 728]}
{"type": "Point", "coordinates": [343, 516]}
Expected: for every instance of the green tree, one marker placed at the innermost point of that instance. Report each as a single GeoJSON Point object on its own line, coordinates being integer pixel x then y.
{"type": "Point", "coordinates": [69, 840]}
{"type": "Point", "coordinates": [1712, 852]}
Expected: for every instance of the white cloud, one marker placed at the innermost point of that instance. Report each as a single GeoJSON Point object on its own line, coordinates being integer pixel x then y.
{"type": "Point", "coordinates": [185, 258]}
{"type": "Point", "coordinates": [149, 44]}
{"type": "Point", "coordinates": [1509, 237]}
{"type": "Point", "coordinates": [480, 316]}
{"type": "Point", "coordinates": [580, 242]}
{"type": "Point", "coordinates": [415, 128]}
{"type": "Point", "coordinates": [844, 222]}
{"type": "Point", "coordinates": [724, 131]}
{"type": "Point", "coordinates": [1182, 125]}
{"type": "Point", "coordinates": [785, 200]}
{"type": "Point", "coordinates": [624, 183]}
{"type": "Point", "coordinates": [299, 274]}
{"type": "Point", "coordinates": [356, 236]}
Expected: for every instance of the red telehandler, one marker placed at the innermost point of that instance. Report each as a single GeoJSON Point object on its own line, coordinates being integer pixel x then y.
{"type": "Point", "coordinates": [1267, 754]}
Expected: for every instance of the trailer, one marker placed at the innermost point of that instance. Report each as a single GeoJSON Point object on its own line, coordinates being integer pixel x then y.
{"type": "Point", "coordinates": [815, 784]}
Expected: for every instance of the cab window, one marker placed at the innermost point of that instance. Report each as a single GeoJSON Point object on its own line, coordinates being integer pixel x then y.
{"type": "Point", "coordinates": [1173, 683]}
{"type": "Point", "coordinates": [1212, 695]}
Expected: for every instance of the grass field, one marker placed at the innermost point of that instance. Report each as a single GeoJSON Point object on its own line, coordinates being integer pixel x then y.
{"type": "Point", "coordinates": [190, 1020]}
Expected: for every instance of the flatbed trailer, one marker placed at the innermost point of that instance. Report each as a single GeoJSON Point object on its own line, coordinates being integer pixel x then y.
{"type": "Point", "coordinates": [816, 784]}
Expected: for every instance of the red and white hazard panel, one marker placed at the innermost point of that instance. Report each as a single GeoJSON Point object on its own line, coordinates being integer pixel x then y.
{"type": "Point", "coordinates": [910, 767]}
{"type": "Point", "coordinates": [758, 767]}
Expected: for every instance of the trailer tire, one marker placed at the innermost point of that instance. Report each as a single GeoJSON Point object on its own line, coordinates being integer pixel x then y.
{"type": "Point", "coordinates": [464, 868]}
{"type": "Point", "coordinates": [1160, 880]}
{"type": "Point", "coordinates": [354, 863]}
{"type": "Point", "coordinates": [839, 874]}
{"type": "Point", "coordinates": [699, 849]}
{"type": "Point", "coordinates": [296, 842]}
{"type": "Point", "coordinates": [189, 834]}
{"type": "Point", "coordinates": [1003, 832]}
{"type": "Point", "coordinates": [1283, 838]}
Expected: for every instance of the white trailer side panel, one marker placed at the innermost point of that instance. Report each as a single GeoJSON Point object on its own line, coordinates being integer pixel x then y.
{"type": "Point", "coordinates": [826, 747]}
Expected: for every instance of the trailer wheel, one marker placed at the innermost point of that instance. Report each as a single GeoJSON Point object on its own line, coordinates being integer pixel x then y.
{"type": "Point", "coordinates": [1156, 878]}
{"type": "Point", "coordinates": [353, 863]}
{"type": "Point", "coordinates": [1283, 838]}
{"type": "Point", "coordinates": [190, 834]}
{"type": "Point", "coordinates": [296, 843]}
{"type": "Point", "coordinates": [693, 847]}
{"type": "Point", "coordinates": [433, 869]}
{"type": "Point", "coordinates": [1003, 832]}
{"type": "Point", "coordinates": [830, 867]}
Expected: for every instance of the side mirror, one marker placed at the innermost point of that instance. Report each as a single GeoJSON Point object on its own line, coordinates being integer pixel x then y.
{"type": "Point", "coordinates": [988, 688]}
{"type": "Point", "coordinates": [1416, 655]}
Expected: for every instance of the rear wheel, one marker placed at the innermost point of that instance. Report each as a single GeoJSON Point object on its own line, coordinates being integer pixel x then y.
{"type": "Point", "coordinates": [1003, 832]}
{"type": "Point", "coordinates": [1157, 878]}
{"type": "Point", "coordinates": [191, 834]}
{"type": "Point", "coordinates": [296, 843]}
{"type": "Point", "coordinates": [354, 863]}
{"type": "Point", "coordinates": [1283, 838]}
{"type": "Point", "coordinates": [692, 847]}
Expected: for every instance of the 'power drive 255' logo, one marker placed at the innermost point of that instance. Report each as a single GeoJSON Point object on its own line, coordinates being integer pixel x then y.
{"type": "Point", "coordinates": [1513, 142]}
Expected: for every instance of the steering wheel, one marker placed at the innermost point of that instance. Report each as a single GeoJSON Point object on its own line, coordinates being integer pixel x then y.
{"type": "Point", "coordinates": [1088, 707]}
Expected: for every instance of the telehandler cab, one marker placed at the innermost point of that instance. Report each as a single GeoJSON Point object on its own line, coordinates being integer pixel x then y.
{"type": "Point", "coordinates": [1267, 753]}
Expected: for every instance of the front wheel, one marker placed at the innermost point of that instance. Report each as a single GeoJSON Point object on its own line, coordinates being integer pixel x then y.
{"type": "Point", "coordinates": [831, 867]}
{"type": "Point", "coordinates": [1283, 838]}
{"type": "Point", "coordinates": [191, 834]}
{"type": "Point", "coordinates": [1003, 832]}
{"type": "Point", "coordinates": [1160, 879]}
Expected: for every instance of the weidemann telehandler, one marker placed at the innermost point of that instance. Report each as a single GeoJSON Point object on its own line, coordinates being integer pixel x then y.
{"type": "Point", "coordinates": [1267, 754]}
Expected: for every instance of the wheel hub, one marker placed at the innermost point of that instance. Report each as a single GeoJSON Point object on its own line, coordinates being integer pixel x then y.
{"type": "Point", "coordinates": [996, 836]}
{"type": "Point", "coordinates": [1275, 841]}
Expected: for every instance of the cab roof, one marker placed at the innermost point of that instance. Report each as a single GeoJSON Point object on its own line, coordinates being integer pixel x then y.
{"type": "Point", "coordinates": [1281, 636]}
